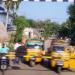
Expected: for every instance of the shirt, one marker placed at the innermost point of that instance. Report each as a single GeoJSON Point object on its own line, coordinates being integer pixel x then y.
{"type": "Point", "coordinates": [21, 51]}
{"type": "Point", "coordinates": [16, 46]}
{"type": "Point", "coordinates": [4, 50]}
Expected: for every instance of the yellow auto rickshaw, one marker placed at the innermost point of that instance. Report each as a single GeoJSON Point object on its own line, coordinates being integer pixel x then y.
{"type": "Point", "coordinates": [35, 49]}
{"type": "Point", "coordinates": [62, 57]}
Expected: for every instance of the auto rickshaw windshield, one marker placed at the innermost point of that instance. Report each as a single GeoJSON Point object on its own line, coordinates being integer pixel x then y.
{"type": "Point", "coordinates": [58, 48]}
{"type": "Point", "coordinates": [34, 46]}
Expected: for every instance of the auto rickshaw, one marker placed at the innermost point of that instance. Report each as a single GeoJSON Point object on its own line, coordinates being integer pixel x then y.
{"type": "Point", "coordinates": [35, 49]}
{"type": "Point", "coordinates": [62, 57]}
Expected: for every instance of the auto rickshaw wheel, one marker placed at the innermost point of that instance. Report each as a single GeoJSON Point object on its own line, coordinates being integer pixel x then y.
{"type": "Point", "coordinates": [31, 63]}
{"type": "Point", "coordinates": [58, 69]}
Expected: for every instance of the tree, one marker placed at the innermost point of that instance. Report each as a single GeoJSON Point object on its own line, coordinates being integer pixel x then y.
{"type": "Point", "coordinates": [20, 22]}
{"type": "Point", "coordinates": [65, 29]}
{"type": "Point", "coordinates": [71, 12]}
{"type": "Point", "coordinates": [31, 23]}
{"type": "Point", "coordinates": [68, 27]}
{"type": "Point", "coordinates": [47, 27]}
{"type": "Point", "coordinates": [50, 28]}
{"type": "Point", "coordinates": [11, 5]}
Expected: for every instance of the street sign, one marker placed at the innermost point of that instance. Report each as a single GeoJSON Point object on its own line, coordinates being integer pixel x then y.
{"type": "Point", "coordinates": [51, 0]}
{"type": "Point", "coordinates": [44, 0]}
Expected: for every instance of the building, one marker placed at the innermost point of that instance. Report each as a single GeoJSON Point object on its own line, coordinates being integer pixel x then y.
{"type": "Point", "coordinates": [3, 15]}
{"type": "Point", "coordinates": [31, 33]}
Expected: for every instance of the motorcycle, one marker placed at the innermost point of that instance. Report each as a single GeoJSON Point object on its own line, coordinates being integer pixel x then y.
{"type": "Point", "coordinates": [4, 63]}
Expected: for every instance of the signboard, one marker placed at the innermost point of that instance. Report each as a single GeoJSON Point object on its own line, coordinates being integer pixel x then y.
{"type": "Point", "coordinates": [51, 0]}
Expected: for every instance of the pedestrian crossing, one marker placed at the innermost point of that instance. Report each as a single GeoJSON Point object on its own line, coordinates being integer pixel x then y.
{"type": "Point", "coordinates": [51, 0]}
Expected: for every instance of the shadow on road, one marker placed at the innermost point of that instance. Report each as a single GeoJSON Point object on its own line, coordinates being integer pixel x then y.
{"type": "Point", "coordinates": [46, 64]}
{"type": "Point", "coordinates": [15, 68]}
{"type": "Point", "coordinates": [30, 69]}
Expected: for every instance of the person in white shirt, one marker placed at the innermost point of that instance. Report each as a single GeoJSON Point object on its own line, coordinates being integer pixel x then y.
{"type": "Point", "coordinates": [16, 45]}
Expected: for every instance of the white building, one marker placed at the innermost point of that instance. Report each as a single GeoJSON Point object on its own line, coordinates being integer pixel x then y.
{"type": "Point", "coordinates": [31, 33]}
{"type": "Point", "coordinates": [3, 15]}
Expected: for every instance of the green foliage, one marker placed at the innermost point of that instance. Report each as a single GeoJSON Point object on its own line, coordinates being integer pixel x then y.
{"type": "Point", "coordinates": [63, 32]}
{"type": "Point", "coordinates": [71, 12]}
{"type": "Point", "coordinates": [20, 22]}
{"type": "Point", "coordinates": [10, 4]}
{"type": "Point", "coordinates": [31, 23]}
{"type": "Point", "coordinates": [50, 28]}
{"type": "Point", "coordinates": [68, 27]}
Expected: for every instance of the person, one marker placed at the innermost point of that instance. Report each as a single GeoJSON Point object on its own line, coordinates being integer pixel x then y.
{"type": "Point", "coordinates": [4, 50]}
{"type": "Point", "coordinates": [20, 52]}
{"type": "Point", "coordinates": [16, 45]}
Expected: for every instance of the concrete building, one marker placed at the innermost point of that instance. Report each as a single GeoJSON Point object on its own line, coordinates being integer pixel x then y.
{"type": "Point", "coordinates": [3, 15]}
{"type": "Point", "coordinates": [31, 33]}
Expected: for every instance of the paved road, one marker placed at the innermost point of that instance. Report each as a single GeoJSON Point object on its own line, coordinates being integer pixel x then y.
{"type": "Point", "coordinates": [24, 69]}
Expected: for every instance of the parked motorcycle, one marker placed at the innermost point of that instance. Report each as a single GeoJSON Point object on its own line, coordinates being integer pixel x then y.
{"type": "Point", "coordinates": [4, 63]}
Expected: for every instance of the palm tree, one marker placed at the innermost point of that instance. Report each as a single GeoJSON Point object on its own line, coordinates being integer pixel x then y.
{"type": "Point", "coordinates": [11, 5]}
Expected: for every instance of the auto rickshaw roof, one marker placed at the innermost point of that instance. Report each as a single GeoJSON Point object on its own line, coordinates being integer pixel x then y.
{"type": "Point", "coordinates": [34, 43]}
{"type": "Point", "coordinates": [35, 39]}
{"type": "Point", "coordinates": [58, 44]}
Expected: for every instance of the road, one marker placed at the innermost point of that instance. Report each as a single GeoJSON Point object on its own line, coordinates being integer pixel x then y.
{"type": "Point", "coordinates": [25, 69]}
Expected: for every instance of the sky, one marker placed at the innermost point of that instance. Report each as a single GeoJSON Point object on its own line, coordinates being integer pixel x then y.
{"type": "Point", "coordinates": [55, 11]}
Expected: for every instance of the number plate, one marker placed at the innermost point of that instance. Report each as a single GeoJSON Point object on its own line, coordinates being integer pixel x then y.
{"type": "Point", "coordinates": [3, 67]}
